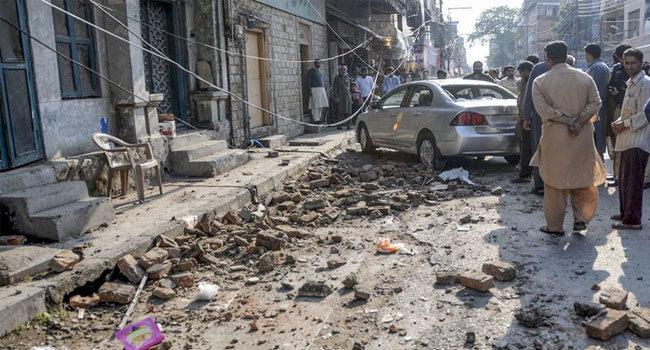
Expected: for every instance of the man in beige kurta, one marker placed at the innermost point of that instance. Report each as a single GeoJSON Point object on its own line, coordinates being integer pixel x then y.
{"type": "Point", "coordinates": [567, 100]}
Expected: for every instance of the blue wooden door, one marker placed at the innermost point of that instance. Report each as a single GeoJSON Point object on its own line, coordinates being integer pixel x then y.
{"type": "Point", "coordinates": [20, 138]}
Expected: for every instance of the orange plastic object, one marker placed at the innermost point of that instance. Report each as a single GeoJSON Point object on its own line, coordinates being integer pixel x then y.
{"type": "Point", "coordinates": [384, 246]}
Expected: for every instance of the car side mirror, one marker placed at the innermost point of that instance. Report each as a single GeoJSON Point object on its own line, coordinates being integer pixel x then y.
{"type": "Point", "coordinates": [375, 105]}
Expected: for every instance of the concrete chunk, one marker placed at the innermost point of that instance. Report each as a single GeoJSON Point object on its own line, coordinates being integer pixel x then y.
{"type": "Point", "coordinates": [19, 262]}
{"type": "Point", "coordinates": [477, 281]}
{"type": "Point", "coordinates": [19, 308]}
{"type": "Point", "coordinates": [130, 269]}
{"type": "Point", "coordinates": [608, 325]}
{"type": "Point", "coordinates": [183, 279]}
{"type": "Point", "coordinates": [446, 277]}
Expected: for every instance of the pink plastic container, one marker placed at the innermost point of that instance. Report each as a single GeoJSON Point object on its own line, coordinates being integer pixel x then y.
{"type": "Point", "coordinates": [140, 335]}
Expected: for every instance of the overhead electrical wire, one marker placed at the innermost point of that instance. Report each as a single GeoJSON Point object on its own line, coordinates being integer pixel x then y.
{"type": "Point", "coordinates": [197, 76]}
{"type": "Point", "coordinates": [101, 6]}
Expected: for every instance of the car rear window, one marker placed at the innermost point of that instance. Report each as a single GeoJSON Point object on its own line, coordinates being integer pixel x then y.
{"type": "Point", "coordinates": [474, 92]}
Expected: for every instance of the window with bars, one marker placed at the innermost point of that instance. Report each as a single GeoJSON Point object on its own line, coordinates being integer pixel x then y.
{"type": "Point", "coordinates": [75, 39]}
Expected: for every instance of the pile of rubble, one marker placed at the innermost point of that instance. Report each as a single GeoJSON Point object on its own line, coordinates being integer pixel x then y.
{"type": "Point", "coordinates": [253, 240]}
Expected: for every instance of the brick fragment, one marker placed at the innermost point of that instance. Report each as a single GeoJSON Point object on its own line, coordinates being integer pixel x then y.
{"type": "Point", "coordinates": [64, 260]}
{"type": "Point", "coordinates": [183, 279]}
{"type": "Point", "coordinates": [164, 293]}
{"type": "Point", "coordinates": [640, 322]}
{"type": "Point", "coordinates": [336, 262]}
{"type": "Point", "coordinates": [111, 292]}
{"type": "Point", "coordinates": [153, 257]}
{"type": "Point", "coordinates": [477, 281]}
{"type": "Point", "coordinates": [614, 298]}
{"type": "Point", "coordinates": [608, 325]}
{"type": "Point", "coordinates": [159, 271]}
{"type": "Point", "coordinates": [79, 302]}
{"type": "Point", "coordinates": [446, 277]}
{"type": "Point", "coordinates": [269, 241]}
{"type": "Point", "coordinates": [130, 269]}
{"type": "Point", "coordinates": [500, 270]}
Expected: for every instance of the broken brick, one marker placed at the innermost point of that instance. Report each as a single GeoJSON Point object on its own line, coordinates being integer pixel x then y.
{"type": "Point", "coordinates": [111, 292]}
{"type": "Point", "coordinates": [153, 257]}
{"type": "Point", "coordinates": [319, 183]}
{"type": "Point", "coordinates": [477, 281]}
{"type": "Point", "coordinates": [640, 322]}
{"type": "Point", "coordinates": [159, 271]}
{"type": "Point", "coordinates": [130, 269]}
{"type": "Point", "coordinates": [269, 241]}
{"type": "Point", "coordinates": [446, 277]}
{"type": "Point", "coordinates": [608, 325]}
{"type": "Point", "coordinates": [500, 270]}
{"type": "Point", "coordinates": [614, 298]}
{"type": "Point", "coordinates": [79, 302]}
{"type": "Point", "coordinates": [164, 293]}
{"type": "Point", "coordinates": [64, 260]}
{"type": "Point", "coordinates": [183, 279]}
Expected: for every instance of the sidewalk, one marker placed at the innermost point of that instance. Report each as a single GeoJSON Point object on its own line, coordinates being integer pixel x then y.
{"type": "Point", "coordinates": [136, 226]}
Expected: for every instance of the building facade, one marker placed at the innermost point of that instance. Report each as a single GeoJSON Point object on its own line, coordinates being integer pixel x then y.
{"type": "Point", "coordinates": [537, 20]}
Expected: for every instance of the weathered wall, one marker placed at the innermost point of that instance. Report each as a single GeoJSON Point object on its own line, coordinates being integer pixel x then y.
{"type": "Point", "coordinates": [66, 124]}
{"type": "Point", "coordinates": [285, 83]}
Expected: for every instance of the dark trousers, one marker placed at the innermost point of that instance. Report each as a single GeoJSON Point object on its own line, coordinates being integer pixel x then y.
{"type": "Point", "coordinates": [535, 136]}
{"type": "Point", "coordinates": [630, 184]}
{"type": "Point", "coordinates": [525, 152]}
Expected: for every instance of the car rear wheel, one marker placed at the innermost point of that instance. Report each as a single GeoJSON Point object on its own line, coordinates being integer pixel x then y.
{"type": "Point", "coordinates": [514, 160]}
{"type": "Point", "coordinates": [428, 152]}
{"type": "Point", "coordinates": [364, 139]}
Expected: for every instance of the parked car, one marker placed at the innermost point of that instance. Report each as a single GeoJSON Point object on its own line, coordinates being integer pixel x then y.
{"type": "Point", "coordinates": [441, 119]}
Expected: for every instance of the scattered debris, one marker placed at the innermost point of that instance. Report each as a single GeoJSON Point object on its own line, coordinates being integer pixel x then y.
{"type": "Point", "coordinates": [609, 324]}
{"type": "Point", "coordinates": [362, 292]}
{"type": "Point", "coordinates": [112, 292]}
{"type": "Point", "coordinates": [500, 270]}
{"type": "Point", "coordinates": [477, 281]}
{"type": "Point", "coordinates": [614, 298]}
{"type": "Point", "coordinates": [587, 309]}
{"type": "Point", "coordinates": [12, 240]}
{"type": "Point", "coordinates": [207, 291]}
{"type": "Point", "coordinates": [384, 246]}
{"type": "Point", "coordinates": [456, 174]}
{"type": "Point", "coordinates": [350, 281]}
{"type": "Point", "coordinates": [315, 289]}
{"type": "Point", "coordinates": [79, 302]}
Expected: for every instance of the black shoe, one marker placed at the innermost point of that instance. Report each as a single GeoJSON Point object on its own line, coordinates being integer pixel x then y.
{"type": "Point", "coordinates": [579, 226]}
{"type": "Point", "coordinates": [520, 180]}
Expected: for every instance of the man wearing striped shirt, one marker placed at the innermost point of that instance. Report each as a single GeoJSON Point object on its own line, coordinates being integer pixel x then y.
{"type": "Point", "coordinates": [632, 142]}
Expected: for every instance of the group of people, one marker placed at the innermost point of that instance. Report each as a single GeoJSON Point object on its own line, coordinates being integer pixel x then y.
{"type": "Point", "coordinates": [566, 117]}
{"type": "Point", "coordinates": [350, 94]}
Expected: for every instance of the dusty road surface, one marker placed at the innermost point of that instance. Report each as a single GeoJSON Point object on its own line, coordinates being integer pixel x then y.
{"type": "Point", "coordinates": [321, 231]}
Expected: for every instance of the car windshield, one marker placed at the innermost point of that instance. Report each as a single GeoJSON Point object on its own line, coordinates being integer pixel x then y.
{"type": "Point", "coordinates": [461, 92]}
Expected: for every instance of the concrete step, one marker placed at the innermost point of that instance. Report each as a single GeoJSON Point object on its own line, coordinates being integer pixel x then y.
{"type": "Point", "coordinates": [70, 219]}
{"type": "Point", "coordinates": [190, 138]}
{"type": "Point", "coordinates": [214, 164]}
{"type": "Point", "coordinates": [30, 176]}
{"type": "Point", "coordinates": [274, 141]}
{"type": "Point", "coordinates": [18, 305]}
{"type": "Point", "coordinates": [27, 202]}
{"type": "Point", "coordinates": [21, 262]}
{"type": "Point", "coordinates": [182, 156]}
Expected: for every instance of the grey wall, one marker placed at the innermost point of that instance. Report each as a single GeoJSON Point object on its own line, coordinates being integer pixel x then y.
{"type": "Point", "coordinates": [66, 125]}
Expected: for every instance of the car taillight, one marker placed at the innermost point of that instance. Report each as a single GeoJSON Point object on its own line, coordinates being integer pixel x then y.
{"type": "Point", "coordinates": [469, 119]}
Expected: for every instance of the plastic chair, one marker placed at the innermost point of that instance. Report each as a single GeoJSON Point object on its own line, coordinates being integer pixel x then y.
{"type": "Point", "coordinates": [121, 157]}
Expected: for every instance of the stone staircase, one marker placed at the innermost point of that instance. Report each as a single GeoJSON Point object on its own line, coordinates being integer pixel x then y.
{"type": "Point", "coordinates": [197, 154]}
{"type": "Point", "coordinates": [36, 204]}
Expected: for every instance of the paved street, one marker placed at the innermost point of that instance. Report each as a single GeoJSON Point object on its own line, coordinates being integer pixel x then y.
{"type": "Point", "coordinates": [450, 230]}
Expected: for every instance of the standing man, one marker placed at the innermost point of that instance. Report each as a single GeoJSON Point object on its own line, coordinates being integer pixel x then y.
{"type": "Point", "coordinates": [567, 101]}
{"type": "Point", "coordinates": [494, 74]}
{"type": "Point", "coordinates": [599, 72]}
{"type": "Point", "coordinates": [616, 88]}
{"type": "Point", "coordinates": [533, 122]}
{"type": "Point", "coordinates": [441, 74]}
{"type": "Point", "coordinates": [365, 84]}
{"type": "Point", "coordinates": [478, 73]}
{"type": "Point", "coordinates": [341, 94]}
{"type": "Point", "coordinates": [509, 81]}
{"type": "Point", "coordinates": [318, 98]}
{"type": "Point", "coordinates": [391, 80]}
{"type": "Point", "coordinates": [525, 143]}
{"type": "Point", "coordinates": [632, 142]}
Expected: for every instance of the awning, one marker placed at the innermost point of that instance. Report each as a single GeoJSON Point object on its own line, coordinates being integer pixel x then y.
{"type": "Point", "coordinates": [338, 14]}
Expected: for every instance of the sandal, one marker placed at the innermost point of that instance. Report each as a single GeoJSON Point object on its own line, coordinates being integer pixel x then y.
{"type": "Point", "coordinates": [579, 226]}
{"type": "Point", "coordinates": [555, 233]}
{"type": "Point", "coordinates": [617, 217]}
{"type": "Point", "coordinates": [622, 226]}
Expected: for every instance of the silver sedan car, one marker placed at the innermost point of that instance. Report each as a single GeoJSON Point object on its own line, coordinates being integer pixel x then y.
{"type": "Point", "coordinates": [438, 119]}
